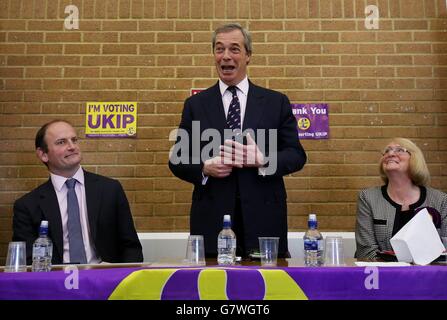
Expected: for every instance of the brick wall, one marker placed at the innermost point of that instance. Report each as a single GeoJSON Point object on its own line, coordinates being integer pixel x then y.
{"type": "Point", "coordinates": [379, 84]}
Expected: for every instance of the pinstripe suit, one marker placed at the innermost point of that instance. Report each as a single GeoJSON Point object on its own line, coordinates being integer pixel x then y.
{"type": "Point", "coordinates": [262, 199]}
{"type": "Point", "coordinates": [376, 214]}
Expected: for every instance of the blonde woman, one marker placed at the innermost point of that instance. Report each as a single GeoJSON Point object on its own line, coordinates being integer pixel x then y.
{"type": "Point", "coordinates": [383, 211]}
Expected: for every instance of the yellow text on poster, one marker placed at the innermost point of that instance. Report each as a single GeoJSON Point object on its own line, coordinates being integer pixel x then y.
{"type": "Point", "coordinates": [111, 119]}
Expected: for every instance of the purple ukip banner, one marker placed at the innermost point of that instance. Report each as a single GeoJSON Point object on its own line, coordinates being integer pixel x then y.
{"type": "Point", "coordinates": [234, 283]}
{"type": "Point", "coordinates": [313, 120]}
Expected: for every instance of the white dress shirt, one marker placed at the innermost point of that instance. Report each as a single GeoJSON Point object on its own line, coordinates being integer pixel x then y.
{"type": "Point", "coordinates": [242, 94]}
{"type": "Point", "coordinates": [61, 191]}
{"type": "Point", "coordinates": [227, 96]}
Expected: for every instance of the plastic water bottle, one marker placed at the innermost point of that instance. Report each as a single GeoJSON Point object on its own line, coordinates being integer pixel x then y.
{"type": "Point", "coordinates": [42, 250]}
{"type": "Point", "coordinates": [226, 243]}
{"type": "Point", "coordinates": [313, 244]}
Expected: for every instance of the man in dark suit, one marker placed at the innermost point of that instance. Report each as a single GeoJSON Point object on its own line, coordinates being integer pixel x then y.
{"type": "Point", "coordinates": [101, 227]}
{"type": "Point", "coordinates": [243, 175]}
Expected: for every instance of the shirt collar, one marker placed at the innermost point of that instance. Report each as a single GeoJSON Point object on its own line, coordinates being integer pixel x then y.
{"type": "Point", "coordinates": [242, 86]}
{"type": "Point", "coordinates": [59, 181]}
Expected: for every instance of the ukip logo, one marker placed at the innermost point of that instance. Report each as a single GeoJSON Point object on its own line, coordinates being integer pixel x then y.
{"type": "Point", "coordinates": [304, 123]}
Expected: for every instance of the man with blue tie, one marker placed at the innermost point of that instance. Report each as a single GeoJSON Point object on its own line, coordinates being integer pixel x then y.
{"type": "Point", "coordinates": [89, 216]}
{"type": "Point", "coordinates": [235, 180]}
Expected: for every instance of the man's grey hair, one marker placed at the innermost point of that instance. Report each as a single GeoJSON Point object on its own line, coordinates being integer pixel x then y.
{"type": "Point", "coordinates": [234, 26]}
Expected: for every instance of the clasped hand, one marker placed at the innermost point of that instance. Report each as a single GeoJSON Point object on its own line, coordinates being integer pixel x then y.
{"type": "Point", "coordinates": [234, 155]}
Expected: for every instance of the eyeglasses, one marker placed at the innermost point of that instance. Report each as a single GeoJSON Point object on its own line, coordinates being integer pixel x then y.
{"type": "Point", "coordinates": [396, 150]}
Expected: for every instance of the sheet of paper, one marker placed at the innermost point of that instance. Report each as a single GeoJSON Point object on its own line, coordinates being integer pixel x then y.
{"type": "Point", "coordinates": [381, 264]}
{"type": "Point", "coordinates": [418, 241]}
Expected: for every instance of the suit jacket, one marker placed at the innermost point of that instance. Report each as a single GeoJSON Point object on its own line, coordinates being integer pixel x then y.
{"type": "Point", "coordinates": [110, 220]}
{"type": "Point", "coordinates": [262, 198]}
{"type": "Point", "coordinates": [376, 214]}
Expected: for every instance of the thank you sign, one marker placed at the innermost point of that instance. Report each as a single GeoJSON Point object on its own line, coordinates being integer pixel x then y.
{"type": "Point", "coordinates": [312, 120]}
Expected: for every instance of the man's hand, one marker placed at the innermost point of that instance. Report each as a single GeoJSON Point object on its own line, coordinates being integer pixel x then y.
{"type": "Point", "coordinates": [232, 153]}
{"type": "Point", "coordinates": [215, 167]}
{"type": "Point", "coordinates": [239, 155]}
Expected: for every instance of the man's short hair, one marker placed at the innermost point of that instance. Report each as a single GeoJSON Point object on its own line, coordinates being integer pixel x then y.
{"type": "Point", "coordinates": [234, 26]}
{"type": "Point", "coordinates": [40, 135]}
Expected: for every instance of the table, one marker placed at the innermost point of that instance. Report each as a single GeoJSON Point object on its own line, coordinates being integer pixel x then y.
{"type": "Point", "coordinates": [289, 280]}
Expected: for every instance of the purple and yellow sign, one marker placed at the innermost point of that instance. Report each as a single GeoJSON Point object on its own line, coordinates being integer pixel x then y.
{"type": "Point", "coordinates": [233, 283]}
{"type": "Point", "coordinates": [111, 120]}
{"type": "Point", "coordinates": [313, 120]}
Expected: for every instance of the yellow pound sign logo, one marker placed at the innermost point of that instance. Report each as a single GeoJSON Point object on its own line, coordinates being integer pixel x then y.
{"type": "Point", "coordinates": [303, 123]}
{"type": "Point", "coordinates": [131, 131]}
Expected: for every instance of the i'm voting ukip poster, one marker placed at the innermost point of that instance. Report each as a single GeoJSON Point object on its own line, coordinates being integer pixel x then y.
{"type": "Point", "coordinates": [111, 120]}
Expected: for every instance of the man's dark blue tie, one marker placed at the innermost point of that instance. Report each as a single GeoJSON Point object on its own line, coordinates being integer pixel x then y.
{"type": "Point", "coordinates": [234, 111]}
{"type": "Point", "coordinates": [76, 243]}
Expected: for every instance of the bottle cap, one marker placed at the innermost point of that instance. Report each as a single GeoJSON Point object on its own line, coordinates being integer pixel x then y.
{"type": "Point", "coordinates": [313, 217]}
{"type": "Point", "coordinates": [227, 218]}
{"type": "Point", "coordinates": [44, 223]}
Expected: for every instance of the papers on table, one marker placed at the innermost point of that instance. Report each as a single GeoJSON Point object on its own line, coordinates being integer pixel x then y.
{"type": "Point", "coordinates": [381, 264]}
{"type": "Point", "coordinates": [418, 241]}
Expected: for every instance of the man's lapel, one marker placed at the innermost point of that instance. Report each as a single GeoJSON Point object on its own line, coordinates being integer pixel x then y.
{"type": "Point", "coordinates": [254, 108]}
{"type": "Point", "coordinates": [214, 109]}
{"type": "Point", "coordinates": [93, 196]}
{"type": "Point", "coordinates": [50, 207]}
